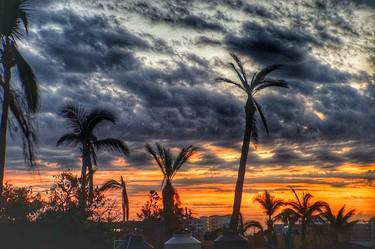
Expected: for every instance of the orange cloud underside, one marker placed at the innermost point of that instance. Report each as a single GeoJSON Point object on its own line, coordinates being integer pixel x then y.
{"type": "Point", "coordinates": [207, 191]}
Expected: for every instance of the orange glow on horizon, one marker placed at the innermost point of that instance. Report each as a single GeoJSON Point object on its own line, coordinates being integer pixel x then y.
{"type": "Point", "coordinates": [208, 191]}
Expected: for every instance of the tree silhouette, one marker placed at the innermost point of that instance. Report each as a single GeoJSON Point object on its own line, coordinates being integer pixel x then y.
{"type": "Point", "coordinates": [169, 166]}
{"type": "Point", "coordinates": [258, 82]}
{"type": "Point", "coordinates": [270, 206]}
{"type": "Point", "coordinates": [339, 223]}
{"type": "Point", "coordinates": [306, 211]}
{"type": "Point", "coordinates": [21, 103]}
{"type": "Point", "coordinates": [113, 184]}
{"type": "Point", "coordinates": [83, 124]}
{"type": "Point", "coordinates": [151, 210]}
{"type": "Point", "coordinates": [289, 219]}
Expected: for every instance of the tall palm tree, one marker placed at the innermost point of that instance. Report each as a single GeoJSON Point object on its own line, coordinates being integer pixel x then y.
{"type": "Point", "coordinates": [113, 184]}
{"type": "Point", "coordinates": [339, 223]}
{"type": "Point", "coordinates": [270, 206]}
{"type": "Point", "coordinates": [169, 166]}
{"type": "Point", "coordinates": [306, 211]}
{"type": "Point", "coordinates": [258, 82]}
{"type": "Point", "coordinates": [21, 103]}
{"type": "Point", "coordinates": [83, 124]}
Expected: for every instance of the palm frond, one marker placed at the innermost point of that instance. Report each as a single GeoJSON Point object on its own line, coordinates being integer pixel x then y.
{"type": "Point", "coordinates": [185, 154]}
{"type": "Point", "coordinates": [263, 73]}
{"type": "Point", "coordinates": [262, 116]}
{"type": "Point", "coordinates": [220, 79]}
{"type": "Point", "coordinates": [12, 13]}
{"type": "Point", "coordinates": [157, 159]}
{"type": "Point", "coordinates": [69, 139]}
{"type": "Point", "coordinates": [95, 117]}
{"type": "Point", "coordinates": [112, 144]}
{"type": "Point", "coordinates": [254, 133]}
{"type": "Point", "coordinates": [110, 184]}
{"type": "Point", "coordinates": [243, 73]}
{"type": "Point", "coordinates": [297, 198]}
{"type": "Point", "coordinates": [270, 83]}
{"type": "Point", "coordinates": [76, 115]}
{"type": "Point", "coordinates": [252, 223]}
{"type": "Point", "coordinates": [24, 121]}
{"type": "Point", "coordinates": [28, 80]}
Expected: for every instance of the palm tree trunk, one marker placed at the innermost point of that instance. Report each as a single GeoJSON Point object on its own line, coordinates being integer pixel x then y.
{"type": "Point", "coordinates": [168, 204]}
{"type": "Point", "coordinates": [303, 234]}
{"type": "Point", "coordinates": [249, 113]}
{"type": "Point", "coordinates": [83, 197]}
{"type": "Point", "coordinates": [125, 204]}
{"type": "Point", "coordinates": [91, 180]}
{"type": "Point", "coordinates": [4, 122]}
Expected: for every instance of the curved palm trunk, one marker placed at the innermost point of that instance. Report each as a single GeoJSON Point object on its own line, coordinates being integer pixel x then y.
{"type": "Point", "coordinates": [168, 204]}
{"type": "Point", "coordinates": [4, 119]}
{"type": "Point", "coordinates": [249, 112]}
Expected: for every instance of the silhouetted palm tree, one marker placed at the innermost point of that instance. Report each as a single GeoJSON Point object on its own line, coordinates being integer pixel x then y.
{"type": "Point", "coordinates": [306, 211]}
{"type": "Point", "coordinates": [113, 184]}
{"type": "Point", "coordinates": [83, 125]}
{"type": "Point", "coordinates": [258, 82]}
{"type": "Point", "coordinates": [244, 226]}
{"type": "Point", "coordinates": [270, 206]}
{"type": "Point", "coordinates": [21, 103]}
{"type": "Point", "coordinates": [339, 224]}
{"type": "Point", "coordinates": [289, 219]}
{"type": "Point", "coordinates": [169, 166]}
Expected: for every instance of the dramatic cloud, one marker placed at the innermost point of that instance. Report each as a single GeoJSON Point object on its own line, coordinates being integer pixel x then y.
{"type": "Point", "coordinates": [153, 64]}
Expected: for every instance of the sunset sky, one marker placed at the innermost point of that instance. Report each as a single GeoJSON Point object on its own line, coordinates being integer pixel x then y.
{"type": "Point", "coordinates": [153, 63]}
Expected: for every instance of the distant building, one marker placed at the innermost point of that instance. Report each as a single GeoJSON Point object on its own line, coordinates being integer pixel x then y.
{"type": "Point", "coordinates": [195, 226]}
{"type": "Point", "coordinates": [363, 233]}
{"type": "Point", "coordinates": [214, 222]}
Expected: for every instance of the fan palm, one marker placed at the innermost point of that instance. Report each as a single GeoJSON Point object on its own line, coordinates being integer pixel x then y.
{"type": "Point", "coordinates": [306, 211]}
{"type": "Point", "coordinates": [270, 206]}
{"type": "Point", "coordinates": [339, 224]}
{"type": "Point", "coordinates": [169, 166]}
{"type": "Point", "coordinates": [258, 82]}
{"type": "Point", "coordinates": [83, 124]}
{"type": "Point", "coordinates": [21, 103]}
{"type": "Point", "coordinates": [113, 184]}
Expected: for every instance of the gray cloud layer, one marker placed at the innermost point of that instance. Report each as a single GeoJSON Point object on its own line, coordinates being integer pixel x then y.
{"type": "Point", "coordinates": [135, 58]}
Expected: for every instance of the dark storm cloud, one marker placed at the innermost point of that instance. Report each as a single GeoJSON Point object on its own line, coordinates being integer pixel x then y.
{"type": "Point", "coordinates": [176, 13]}
{"type": "Point", "coordinates": [93, 59]}
{"type": "Point", "coordinates": [204, 40]}
{"type": "Point", "coordinates": [272, 44]}
{"type": "Point", "coordinates": [87, 43]}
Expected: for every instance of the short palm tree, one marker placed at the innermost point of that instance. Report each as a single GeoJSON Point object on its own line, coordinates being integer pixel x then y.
{"type": "Point", "coordinates": [270, 206]}
{"type": "Point", "coordinates": [83, 124]}
{"type": "Point", "coordinates": [169, 166]}
{"type": "Point", "coordinates": [244, 226]}
{"type": "Point", "coordinates": [113, 184]}
{"type": "Point", "coordinates": [306, 211]}
{"type": "Point", "coordinates": [21, 103]}
{"type": "Point", "coordinates": [289, 219]}
{"type": "Point", "coordinates": [339, 223]}
{"type": "Point", "coordinates": [251, 87]}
